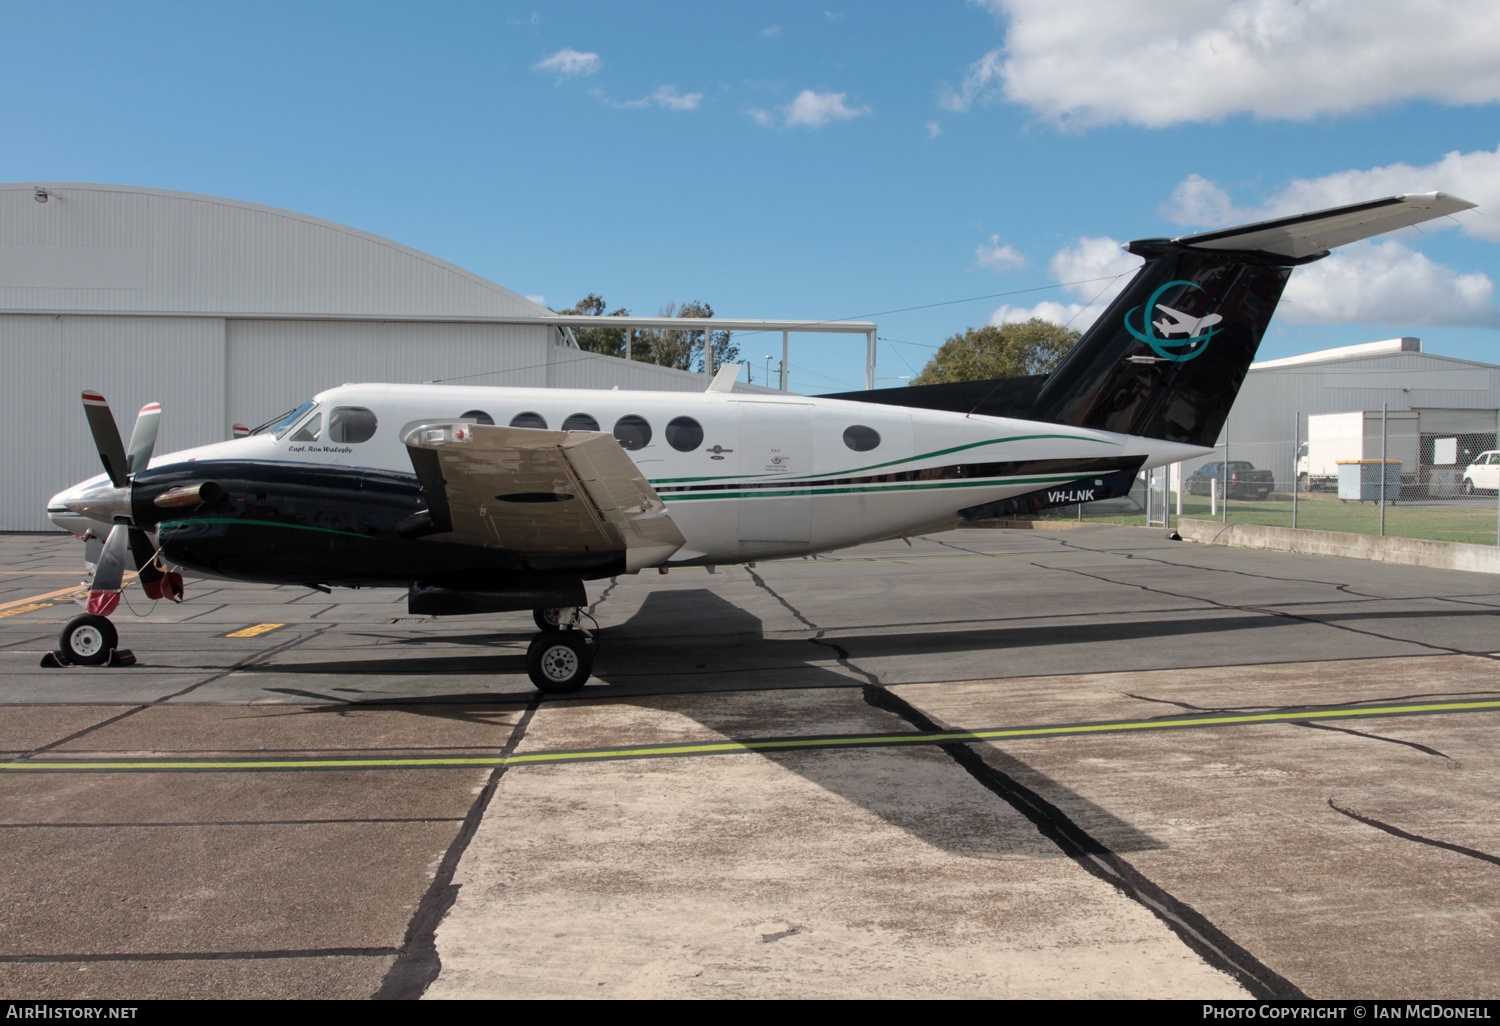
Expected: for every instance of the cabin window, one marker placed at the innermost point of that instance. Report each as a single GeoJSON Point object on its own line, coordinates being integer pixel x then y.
{"type": "Point", "coordinates": [477, 416]}
{"type": "Point", "coordinates": [529, 420]}
{"type": "Point", "coordinates": [861, 438]}
{"type": "Point", "coordinates": [311, 428]}
{"type": "Point", "coordinates": [351, 424]}
{"type": "Point", "coordinates": [580, 422]}
{"type": "Point", "coordinates": [284, 424]}
{"type": "Point", "coordinates": [684, 434]}
{"type": "Point", "coordinates": [633, 432]}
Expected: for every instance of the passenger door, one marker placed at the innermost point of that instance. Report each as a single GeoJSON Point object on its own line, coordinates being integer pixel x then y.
{"type": "Point", "coordinates": [775, 441]}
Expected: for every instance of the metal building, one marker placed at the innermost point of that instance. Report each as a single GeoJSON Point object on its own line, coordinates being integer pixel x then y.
{"type": "Point", "coordinates": [230, 312]}
{"type": "Point", "coordinates": [1452, 397]}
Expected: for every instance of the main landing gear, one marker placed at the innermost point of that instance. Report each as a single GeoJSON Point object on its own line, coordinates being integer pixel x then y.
{"type": "Point", "coordinates": [560, 659]}
{"type": "Point", "coordinates": [89, 640]}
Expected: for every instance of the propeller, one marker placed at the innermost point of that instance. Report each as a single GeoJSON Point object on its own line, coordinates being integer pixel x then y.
{"type": "Point", "coordinates": [125, 541]}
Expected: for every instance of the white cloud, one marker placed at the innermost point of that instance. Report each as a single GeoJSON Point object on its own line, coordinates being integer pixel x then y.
{"type": "Point", "coordinates": [570, 63]}
{"type": "Point", "coordinates": [997, 257]}
{"type": "Point", "coordinates": [1156, 63]}
{"type": "Point", "coordinates": [934, 129]}
{"type": "Point", "coordinates": [770, 31]}
{"type": "Point", "coordinates": [1094, 269]}
{"type": "Point", "coordinates": [814, 110]}
{"type": "Point", "coordinates": [538, 300]}
{"type": "Point", "coordinates": [1057, 313]}
{"type": "Point", "coordinates": [833, 15]}
{"type": "Point", "coordinates": [763, 118]}
{"type": "Point", "coordinates": [1364, 283]}
{"type": "Point", "coordinates": [981, 83]}
{"type": "Point", "coordinates": [1473, 176]}
{"type": "Point", "coordinates": [666, 97]}
{"type": "Point", "coordinates": [1386, 283]}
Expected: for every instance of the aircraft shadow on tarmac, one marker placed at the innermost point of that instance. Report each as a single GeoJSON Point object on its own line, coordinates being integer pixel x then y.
{"type": "Point", "coordinates": [696, 641]}
{"type": "Point", "coordinates": [736, 637]}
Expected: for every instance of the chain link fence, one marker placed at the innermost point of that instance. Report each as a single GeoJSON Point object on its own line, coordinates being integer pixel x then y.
{"type": "Point", "coordinates": [1443, 487]}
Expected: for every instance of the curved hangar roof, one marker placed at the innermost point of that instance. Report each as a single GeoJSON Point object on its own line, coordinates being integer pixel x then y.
{"type": "Point", "coordinates": [105, 248]}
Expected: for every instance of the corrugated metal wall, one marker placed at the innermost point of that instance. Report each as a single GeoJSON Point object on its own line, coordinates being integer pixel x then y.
{"type": "Point", "coordinates": [49, 360]}
{"type": "Point", "coordinates": [275, 365]}
{"type": "Point", "coordinates": [123, 248]}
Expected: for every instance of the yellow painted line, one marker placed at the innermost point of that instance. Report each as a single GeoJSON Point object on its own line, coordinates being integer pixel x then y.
{"type": "Point", "coordinates": [104, 765]}
{"type": "Point", "coordinates": [25, 609]}
{"type": "Point", "coordinates": [77, 589]}
{"type": "Point", "coordinates": [250, 632]}
{"type": "Point", "coordinates": [42, 598]}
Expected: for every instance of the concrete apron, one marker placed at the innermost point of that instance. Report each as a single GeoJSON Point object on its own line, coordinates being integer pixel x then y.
{"type": "Point", "coordinates": [1440, 555]}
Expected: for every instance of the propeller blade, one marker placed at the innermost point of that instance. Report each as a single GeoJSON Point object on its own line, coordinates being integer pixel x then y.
{"type": "Point", "coordinates": [143, 552]}
{"type": "Point", "coordinates": [143, 438]}
{"type": "Point", "coordinates": [109, 572]}
{"type": "Point", "coordinates": [106, 437]}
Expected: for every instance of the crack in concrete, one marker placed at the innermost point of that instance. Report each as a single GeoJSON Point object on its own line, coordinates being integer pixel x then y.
{"type": "Point", "coordinates": [417, 962]}
{"type": "Point", "coordinates": [1394, 831]}
{"type": "Point", "coordinates": [248, 661]}
{"type": "Point", "coordinates": [1229, 709]}
{"type": "Point", "coordinates": [1191, 927]}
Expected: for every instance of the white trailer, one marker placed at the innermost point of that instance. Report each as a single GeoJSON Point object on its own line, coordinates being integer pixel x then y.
{"type": "Point", "coordinates": [1341, 437]}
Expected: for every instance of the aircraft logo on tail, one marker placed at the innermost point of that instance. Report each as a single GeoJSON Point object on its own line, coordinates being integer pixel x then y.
{"type": "Point", "coordinates": [1198, 330]}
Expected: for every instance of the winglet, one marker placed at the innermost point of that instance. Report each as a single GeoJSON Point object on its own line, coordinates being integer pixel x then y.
{"type": "Point", "coordinates": [725, 379]}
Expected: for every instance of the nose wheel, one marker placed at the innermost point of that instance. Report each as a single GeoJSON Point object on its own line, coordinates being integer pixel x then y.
{"type": "Point", "coordinates": [560, 659]}
{"type": "Point", "coordinates": [89, 640]}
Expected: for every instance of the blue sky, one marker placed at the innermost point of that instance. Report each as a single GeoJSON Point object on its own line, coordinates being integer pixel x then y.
{"type": "Point", "coordinates": [795, 161]}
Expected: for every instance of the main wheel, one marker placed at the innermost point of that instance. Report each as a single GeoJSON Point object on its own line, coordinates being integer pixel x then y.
{"type": "Point", "coordinates": [1469, 486]}
{"type": "Point", "coordinates": [88, 639]}
{"type": "Point", "coordinates": [546, 620]}
{"type": "Point", "coordinates": [559, 662]}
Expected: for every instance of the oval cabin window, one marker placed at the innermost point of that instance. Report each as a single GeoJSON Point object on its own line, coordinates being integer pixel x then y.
{"type": "Point", "coordinates": [580, 422]}
{"type": "Point", "coordinates": [684, 434]}
{"type": "Point", "coordinates": [861, 438]}
{"type": "Point", "coordinates": [477, 416]}
{"type": "Point", "coordinates": [351, 424]}
{"type": "Point", "coordinates": [529, 420]}
{"type": "Point", "coordinates": [632, 432]}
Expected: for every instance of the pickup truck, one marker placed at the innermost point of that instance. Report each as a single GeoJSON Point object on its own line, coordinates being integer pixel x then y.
{"type": "Point", "coordinates": [1242, 480]}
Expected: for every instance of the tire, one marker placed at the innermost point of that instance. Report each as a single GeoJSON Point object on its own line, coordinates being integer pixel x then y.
{"type": "Point", "coordinates": [559, 662]}
{"type": "Point", "coordinates": [546, 619]}
{"type": "Point", "coordinates": [88, 640]}
{"type": "Point", "coordinates": [1468, 488]}
{"type": "Point", "coordinates": [1302, 482]}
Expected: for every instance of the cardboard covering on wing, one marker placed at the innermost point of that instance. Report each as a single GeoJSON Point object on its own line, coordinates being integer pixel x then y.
{"type": "Point", "coordinates": [553, 492]}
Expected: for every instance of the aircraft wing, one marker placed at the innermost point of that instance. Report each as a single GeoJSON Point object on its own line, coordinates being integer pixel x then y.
{"type": "Point", "coordinates": [539, 492]}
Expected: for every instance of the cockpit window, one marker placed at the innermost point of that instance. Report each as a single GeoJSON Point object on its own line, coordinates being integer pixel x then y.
{"type": "Point", "coordinates": [351, 424]}
{"type": "Point", "coordinates": [311, 428]}
{"type": "Point", "coordinates": [284, 425]}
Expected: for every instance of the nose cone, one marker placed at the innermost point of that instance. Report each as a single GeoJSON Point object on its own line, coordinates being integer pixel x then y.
{"type": "Point", "coordinates": [95, 501]}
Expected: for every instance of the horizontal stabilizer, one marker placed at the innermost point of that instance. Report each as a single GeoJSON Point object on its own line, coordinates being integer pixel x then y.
{"type": "Point", "coordinates": [1306, 235]}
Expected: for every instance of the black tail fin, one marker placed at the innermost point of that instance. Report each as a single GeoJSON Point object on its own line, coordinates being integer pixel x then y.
{"type": "Point", "coordinates": [1168, 356]}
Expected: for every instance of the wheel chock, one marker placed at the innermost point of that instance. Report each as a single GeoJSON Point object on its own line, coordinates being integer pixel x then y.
{"type": "Point", "coordinates": [55, 660]}
{"type": "Point", "coordinates": [121, 657]}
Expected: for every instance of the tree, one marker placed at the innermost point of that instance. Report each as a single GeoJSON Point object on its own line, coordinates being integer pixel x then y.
{"type": "Point", "coordinates": [609, 341]}
{"type": "Point", "coordinates": [669, 347]}
{"type": "Point", "coordinates": [999, 351]}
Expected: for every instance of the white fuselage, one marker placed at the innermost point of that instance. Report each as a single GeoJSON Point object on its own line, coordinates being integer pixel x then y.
{"type": "Point", "coordinates": [774, 475]}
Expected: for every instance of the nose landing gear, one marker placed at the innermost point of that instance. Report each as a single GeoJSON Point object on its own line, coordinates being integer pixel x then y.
{"type": "Point", "coordinates": [560, 659]}
{"type": "Point", "coordinates": [89, 640]}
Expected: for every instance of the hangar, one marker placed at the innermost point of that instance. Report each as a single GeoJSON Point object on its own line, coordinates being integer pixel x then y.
{"type": "Point", "coordinates": [230, 313]}
{"type": "Point", "coordinates": [1451, 397]}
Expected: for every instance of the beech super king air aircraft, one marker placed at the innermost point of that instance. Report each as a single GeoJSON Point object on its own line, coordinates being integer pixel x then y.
{"type": "Point", "coordinates": [421, 487]}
